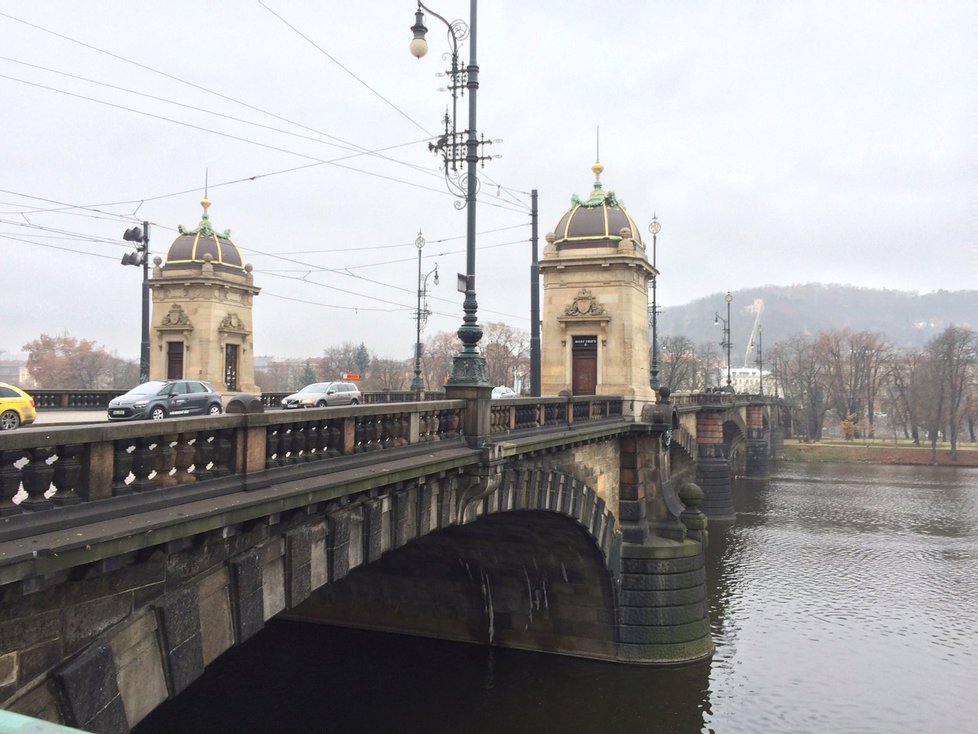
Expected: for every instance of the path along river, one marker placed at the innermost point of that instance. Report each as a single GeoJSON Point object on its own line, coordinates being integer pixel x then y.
{"type": "Point", "coordinates": [843, 599]}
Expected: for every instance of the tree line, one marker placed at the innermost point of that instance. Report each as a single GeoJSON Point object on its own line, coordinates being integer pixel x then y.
{"type": "Point", "coordinates": [64, 362]}
{"type": "Point", "coordinates": [856, 382]}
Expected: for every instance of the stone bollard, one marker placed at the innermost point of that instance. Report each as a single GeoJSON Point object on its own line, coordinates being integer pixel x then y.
{"type": "Point", "coordinates": [245, 403]}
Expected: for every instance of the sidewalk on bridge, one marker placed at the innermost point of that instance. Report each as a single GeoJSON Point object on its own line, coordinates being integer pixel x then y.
{"type": "Point", "coordinates": [57, 417]}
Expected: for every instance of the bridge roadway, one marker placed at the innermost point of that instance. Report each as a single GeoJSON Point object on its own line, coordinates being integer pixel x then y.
{"type": "Point", "coordinates": [141, 552]}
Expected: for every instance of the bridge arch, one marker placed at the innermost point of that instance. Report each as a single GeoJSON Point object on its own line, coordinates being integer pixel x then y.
{"type": "Point", "coordinates": [209, 592]}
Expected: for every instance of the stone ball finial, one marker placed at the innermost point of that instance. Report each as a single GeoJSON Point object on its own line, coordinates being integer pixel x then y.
{"type": "Point", "coordinates": [208, 257]}
{"type": "Point", "coordinates": [157, 261]}
{"type": "Point", "coordinates": [248, 268]}
{"type": "Point", "coordinates": [550, 238]}
{"type": "Point", "coordinates": [625, 233]}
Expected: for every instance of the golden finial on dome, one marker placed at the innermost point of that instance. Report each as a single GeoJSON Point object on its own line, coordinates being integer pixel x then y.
{"type": "Point", "coordinates": [206, 204]}
{"type": "Point", "coordinates": [597, 168]}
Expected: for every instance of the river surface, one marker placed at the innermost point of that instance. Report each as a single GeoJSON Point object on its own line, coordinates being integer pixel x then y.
{"type": "Point", "coordinates": [843, 599]}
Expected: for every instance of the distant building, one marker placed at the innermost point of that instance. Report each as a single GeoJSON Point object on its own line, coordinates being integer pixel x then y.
{"type": "Point", "coordinates": [14, 372]}
{"type": "Point", "coordinates": [748, 380]}
{"type": "Point", "coordinates": [596, 277]}
{"type": "Point", "coordinates": [202, 311]}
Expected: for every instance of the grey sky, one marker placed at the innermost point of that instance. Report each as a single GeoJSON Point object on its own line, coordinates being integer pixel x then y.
{"type": "Point", "coordinates": [778, 142]}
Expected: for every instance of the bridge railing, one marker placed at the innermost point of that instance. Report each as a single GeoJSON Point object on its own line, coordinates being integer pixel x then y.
{"type": "Point", "coordinates": [686, 400]}
{"type": "Point", "coordinates": [52, 478]}
{"type": "Point", "coordinates": [519, 414]}
{"type": "Point", "coordinates": [95, 399]}
{"type": "Point", "coordinates": [44, 469]}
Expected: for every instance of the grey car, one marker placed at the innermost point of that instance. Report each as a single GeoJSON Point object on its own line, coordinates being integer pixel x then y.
{"type": "Point", "coordinates": [158, 399]}
{"type": "Point", "coordinates": [321, 394]}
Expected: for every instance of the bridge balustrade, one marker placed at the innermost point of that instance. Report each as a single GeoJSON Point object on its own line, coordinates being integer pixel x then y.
{"type": "Point", "coordinates": [95, 399]}
{"type": "Point", "coordinates": [110, 469]}
{"type": "Point", "coordinates": [522, 414]}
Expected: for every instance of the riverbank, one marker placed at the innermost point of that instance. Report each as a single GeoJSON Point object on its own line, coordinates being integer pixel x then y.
{"type": "Point", "coordinates": [862, 452]}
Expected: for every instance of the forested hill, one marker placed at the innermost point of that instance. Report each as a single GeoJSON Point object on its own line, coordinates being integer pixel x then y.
{"type": "Point", "coordinates": [906, 319]}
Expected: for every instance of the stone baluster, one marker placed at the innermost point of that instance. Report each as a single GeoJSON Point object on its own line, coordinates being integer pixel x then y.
{"type": "Point", "coordinates": [37, 475]}
{"type": "Point", "coordinates": [9, 481]}
{"type": "Point", "coordinates": [143, 464]}
{"type": "Point", "coordinates": [335, 432]}
{"type": "Point", "coordinates": [121, 467]}
{"type": "Point", "coordinates": [184, 458]}
{"type": "Point", "coordinates": [376, 433]}
{"type": "Point", "coordinates": [286, 445]}
{"type": "Point", "coordinates": [272, 453]}
{"type": "Point", "coordinates": [204, 459]}
{"type": "Point", "coordinates": [301, 447]}
{"type": "Point", "coordinates": [387, 430]}
{"type": "Point", "coordinates": [67, 473]}
{"type": "Point", "coordinates": [223, 453]}
{"type": "Point", "coordinates": [164, 461]}
{"type": "Point", "coordinates": [360, 438]}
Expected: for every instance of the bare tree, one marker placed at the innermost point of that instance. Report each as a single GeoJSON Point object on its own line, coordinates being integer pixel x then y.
{"type": "Point", "coordinates": [799, 375]}
{"type": "Point", "coordinates": [852, 370]}
{"type": "Point", "coordinates": [339, 360]}
{"type": "Point", "coordinates": [678, 365]}
{"type": "Point", "coordinates": [436, 361]}
{"type": "Point", "coordinates": [389, 374]}
{"type": "Point", "coordinates": [506, 351]}
{"type": "Point", "coordinates": [954, 353]}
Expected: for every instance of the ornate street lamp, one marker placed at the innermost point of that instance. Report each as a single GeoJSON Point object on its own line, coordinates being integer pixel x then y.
{"type": "Point", "coordinates": [654, 228]}
{"type": "Point", "coordinates": [469, 366]}
{"type": "Point", "coordinates": [421, 315]}
{"type": "Point", "coordinates": [141, 257]}
{"type": "Point", "coordinates": [717, 318]}
{"type": "Point", "coordinates": [760, 360]}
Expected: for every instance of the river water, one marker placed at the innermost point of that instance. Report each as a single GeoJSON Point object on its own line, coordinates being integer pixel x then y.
{"type": "Point", "coordinates": [843, 599]}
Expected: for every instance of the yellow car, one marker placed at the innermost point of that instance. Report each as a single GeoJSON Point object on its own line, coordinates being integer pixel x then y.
{"type": "Point", "coordinates": [16, 407]}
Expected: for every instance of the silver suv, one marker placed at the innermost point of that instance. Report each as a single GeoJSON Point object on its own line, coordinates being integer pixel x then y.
{"type": "Point", "coordinates": [321, 394]}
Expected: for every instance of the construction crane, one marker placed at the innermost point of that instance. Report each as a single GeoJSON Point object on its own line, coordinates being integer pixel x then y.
{"type": "Point", "coordinates": [757, 308]}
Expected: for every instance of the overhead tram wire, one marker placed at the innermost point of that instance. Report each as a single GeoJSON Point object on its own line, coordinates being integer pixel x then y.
{"type": "Point", "coordinates": [212, 92]}
{"type": "Point", "coordinates": [335, 61]}
{"type": "Point", "coordinates": [397, 109]}
{"type": "Point", "coordinates": [333, 162]}
{"type": "Point", "coordinates": [352, 147]}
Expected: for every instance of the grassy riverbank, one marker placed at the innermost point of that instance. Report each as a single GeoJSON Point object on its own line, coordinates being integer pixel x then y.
{"type": "Point", "coordinates": [878, 452]}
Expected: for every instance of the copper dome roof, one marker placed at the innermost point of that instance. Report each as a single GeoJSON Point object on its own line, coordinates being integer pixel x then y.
{"type": "Point", "coordinates": [595, 221]}
{"type": "Point", "coordinates": [191, 246]}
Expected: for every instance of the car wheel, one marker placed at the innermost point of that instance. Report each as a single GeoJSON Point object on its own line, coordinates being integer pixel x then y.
{"type": "Point", "coordinates": [158, 413]}
{"type": "Point", "coordinates": [321, 404]}
{"type": "Point", "coordinates": [215, 409]}
{"type": "Point", "coordinates": [9, 420]}
{"type": "Point", "coordinates": [354, 402]}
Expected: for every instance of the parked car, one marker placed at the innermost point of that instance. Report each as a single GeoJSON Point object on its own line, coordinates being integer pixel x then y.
{"type": "Point", "coordinates": [504, 392]}
{"type": "Point", "coordinates": [158, 399]}
{"type": "Point", "coordinates": [16, 407]}
{"type": "Point", "coordinates": [321, 394]}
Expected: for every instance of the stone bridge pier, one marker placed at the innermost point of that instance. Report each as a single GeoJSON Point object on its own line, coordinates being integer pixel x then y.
{"type": "Point", "coordinates": [713, 467]}
{"type": "Point", "coordinates": [758, 453]}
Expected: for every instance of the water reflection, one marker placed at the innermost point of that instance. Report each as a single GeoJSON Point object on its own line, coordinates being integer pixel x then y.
{"type": "Point", "coordinates": [842, 600]}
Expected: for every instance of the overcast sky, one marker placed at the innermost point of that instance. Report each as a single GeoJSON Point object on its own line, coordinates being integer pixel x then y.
{"type": "Point", "coordinates": [778, 142]}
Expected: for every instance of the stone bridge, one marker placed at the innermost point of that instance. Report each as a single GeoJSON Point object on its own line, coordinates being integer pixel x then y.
{"type": "Point", "coordinates": [135, 555]}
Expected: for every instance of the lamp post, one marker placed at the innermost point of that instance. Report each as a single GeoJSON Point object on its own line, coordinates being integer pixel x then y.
{"type": "Point", "coordinates": [141, 257]}
{"type": "Point", "coordinates": [760, 360]}
{"type": "Point", "coordinates": [654, 228]}
{"type": "Point", "coordinates": [469, 366]}
{"type": "Point", "coordinates": [717, 318]}
{"type": "Point", "coordinates": [421, 315]}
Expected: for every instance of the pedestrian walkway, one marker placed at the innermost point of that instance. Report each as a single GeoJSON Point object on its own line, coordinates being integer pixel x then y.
{"type": "Point", "coordinates": [55, 417]}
